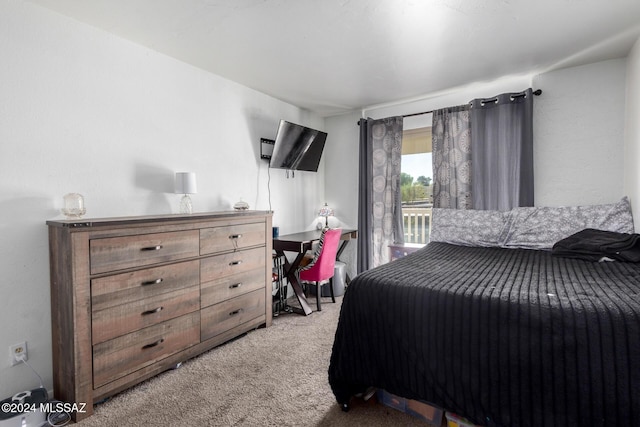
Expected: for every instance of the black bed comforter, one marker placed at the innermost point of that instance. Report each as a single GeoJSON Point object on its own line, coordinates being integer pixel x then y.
{"type": "Point", "coordinates": [504, 337]}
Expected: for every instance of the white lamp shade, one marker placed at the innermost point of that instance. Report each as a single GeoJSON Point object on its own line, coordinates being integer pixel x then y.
{"type": "Point", "coordinates": [326, 211]}
{"type": "Point", "coordinates": [186, 183]}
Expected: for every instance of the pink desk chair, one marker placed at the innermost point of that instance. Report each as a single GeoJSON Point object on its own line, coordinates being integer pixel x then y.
{"type": "Point", "coordinates": [321, 268]}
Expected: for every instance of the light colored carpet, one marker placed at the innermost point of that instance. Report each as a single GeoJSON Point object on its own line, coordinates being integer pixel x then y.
{"type": "Point", "coordinates": [274, 376]}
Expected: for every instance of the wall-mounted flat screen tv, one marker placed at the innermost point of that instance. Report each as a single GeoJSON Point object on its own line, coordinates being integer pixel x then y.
{"type": "Point", "coordinates": [297, 147]}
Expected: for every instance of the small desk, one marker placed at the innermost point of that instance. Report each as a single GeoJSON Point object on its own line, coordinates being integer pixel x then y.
{"type": "Point", "coordinates": [301, 243]}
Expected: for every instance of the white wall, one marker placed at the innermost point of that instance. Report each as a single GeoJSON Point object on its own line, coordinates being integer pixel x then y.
{"type": "Point", "coordinates": [84, 111]}
{"type": "Point", "coordinates": [341, 184]}
{"type": "Point", "coordinates": [579, 134]}
{"type": "Point", "coordinates": [632, 134]}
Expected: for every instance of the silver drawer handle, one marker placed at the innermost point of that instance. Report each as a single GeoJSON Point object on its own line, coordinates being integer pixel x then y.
{"type": "Point", "coordinates": [235, 286]}
{"type": "Point", "coordinates": [235, 236]}
{"type": "Point", "coordinates": [234, 312]}
{"type": "Point", "coordinates": [235, 263]}
{"type": "Point", "coordinates": [153, 344]}
{"type": "Point", "coordinates": [151, 248]}
{"type": "Point", "coordinates": [155, 310]}
{"type": "Point", "coordinates": [152, 282]}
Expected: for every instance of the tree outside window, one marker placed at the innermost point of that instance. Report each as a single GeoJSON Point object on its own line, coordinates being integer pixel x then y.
{"type": "Point", "coordinates": [416, 184]}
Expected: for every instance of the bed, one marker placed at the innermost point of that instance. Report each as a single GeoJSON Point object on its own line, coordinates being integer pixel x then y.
{"type": "Point", "coordinates": [488, 323]}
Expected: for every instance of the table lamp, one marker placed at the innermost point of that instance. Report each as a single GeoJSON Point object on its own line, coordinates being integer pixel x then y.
{"type": "Point", "coordinates": [326, 212]}
{"type": "Point", "coordinates": [185, 184]}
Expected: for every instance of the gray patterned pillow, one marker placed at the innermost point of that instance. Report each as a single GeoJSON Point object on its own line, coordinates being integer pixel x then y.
{"type": "Point", "coordinates": [541, 227]}
{"type": "Point", "coordinates": [468, 227]}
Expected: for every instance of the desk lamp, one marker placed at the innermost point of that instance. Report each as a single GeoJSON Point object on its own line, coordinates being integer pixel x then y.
{"type": "Point", "coordinates": [185, 184]}
{"type": "Point", "coordinates": [326, 212]}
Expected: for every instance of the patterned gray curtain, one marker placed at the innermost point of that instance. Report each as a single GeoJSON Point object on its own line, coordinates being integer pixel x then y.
{"type": "Point", "coordinates": [502, 153]}
{"type": "Point", "coordinates": [451, 138]}
{"type": "Point", "coordinates": [379, 203]}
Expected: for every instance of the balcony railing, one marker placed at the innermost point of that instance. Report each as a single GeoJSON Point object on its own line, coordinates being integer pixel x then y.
{"type": "Point", "coordinates": [417, 224]}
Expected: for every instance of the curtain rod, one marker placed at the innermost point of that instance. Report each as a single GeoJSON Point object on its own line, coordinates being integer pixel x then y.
{"type": "Point", "coordinates": [536, 92]}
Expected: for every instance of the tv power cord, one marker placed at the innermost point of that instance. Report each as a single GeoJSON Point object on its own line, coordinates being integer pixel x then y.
{"type": "Point", "coordinates": [54, 419]}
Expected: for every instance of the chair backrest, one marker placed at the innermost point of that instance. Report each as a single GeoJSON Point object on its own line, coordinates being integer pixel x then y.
{"type": "Point", "coordinates": [324, 266]}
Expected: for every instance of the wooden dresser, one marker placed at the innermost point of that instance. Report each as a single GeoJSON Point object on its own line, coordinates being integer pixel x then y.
{"type": "Point", "coordinates": [132, 297]}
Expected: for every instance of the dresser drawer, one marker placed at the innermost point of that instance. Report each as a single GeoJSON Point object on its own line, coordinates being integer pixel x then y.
{"type": "Point", "coordinates": [125, 318]}
{"type": "Point", "coordinates": [221, 317]}
{"type": "Point", "coordinates": [216, 267]}
{"type": "Point", "coordinates": [124, 288]}
{"type": "Point", "coordinates": [121, 356]}
{"type": "Point", "coordinates": [117, 253]}
{"type": "Point", "coordinates": [228, 287]}
{"type": "Point", "coordinates": [232, 237]}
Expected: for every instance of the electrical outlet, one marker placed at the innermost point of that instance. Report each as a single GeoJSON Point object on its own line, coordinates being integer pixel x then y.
{"type": "Point", "coordinates": [18, 351]}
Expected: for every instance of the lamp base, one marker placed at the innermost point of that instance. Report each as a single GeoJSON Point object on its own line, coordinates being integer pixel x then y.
{"type": "Point", "coordinates": [185, 205]}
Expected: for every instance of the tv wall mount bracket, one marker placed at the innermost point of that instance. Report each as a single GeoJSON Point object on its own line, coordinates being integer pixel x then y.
{"type": "Point", "coordinates": [266, 148]}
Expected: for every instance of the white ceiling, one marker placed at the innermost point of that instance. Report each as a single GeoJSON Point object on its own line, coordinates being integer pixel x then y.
{"type": "Point", "coordinates": [331, 56]}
